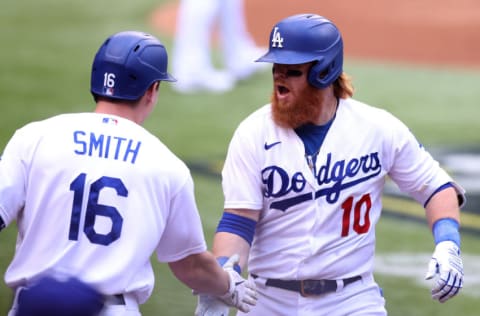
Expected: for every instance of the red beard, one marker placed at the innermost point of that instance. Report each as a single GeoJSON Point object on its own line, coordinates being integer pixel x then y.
{"type": "Point", "coordinates": [305, 108]}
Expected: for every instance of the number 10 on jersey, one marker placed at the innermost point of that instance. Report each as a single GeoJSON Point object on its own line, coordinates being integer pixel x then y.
{"type": "Point", "coordinates": [361, 213]}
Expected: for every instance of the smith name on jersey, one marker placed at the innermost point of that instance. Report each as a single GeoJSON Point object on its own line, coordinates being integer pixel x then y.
{"type": "Point", "coordinates": [106, 146]}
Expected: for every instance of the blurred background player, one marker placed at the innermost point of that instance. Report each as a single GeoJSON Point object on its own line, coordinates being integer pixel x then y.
{"type": "Point", "coordinates": [303, 181]}
{"type": "Point", "coordinates": [95, 194]}
{"type": "Point", "coordinates": [192, 58]}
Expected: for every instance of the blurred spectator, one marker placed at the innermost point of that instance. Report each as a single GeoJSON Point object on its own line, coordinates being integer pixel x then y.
{"type": "Point", "coordinates": [192, 52]}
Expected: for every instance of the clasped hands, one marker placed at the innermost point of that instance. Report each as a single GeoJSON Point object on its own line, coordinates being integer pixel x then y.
{"type": "Point", "coordinates": [242, 294]}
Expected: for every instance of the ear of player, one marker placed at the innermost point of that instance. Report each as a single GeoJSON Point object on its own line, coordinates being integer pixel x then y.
{"type": "Point", "coordinates": [447, 263]}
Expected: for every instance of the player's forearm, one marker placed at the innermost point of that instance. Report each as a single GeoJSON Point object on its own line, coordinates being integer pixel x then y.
{"type": "Point", "coordinates": [202, 273]}
{"type": "Point", "coordinates": [235, 233]}
{"type": "Point", "coordinates": [228, 244]}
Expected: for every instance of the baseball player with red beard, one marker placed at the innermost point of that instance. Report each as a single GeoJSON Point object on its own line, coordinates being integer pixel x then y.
{"type": "Point", "coordinates": [303, 181]}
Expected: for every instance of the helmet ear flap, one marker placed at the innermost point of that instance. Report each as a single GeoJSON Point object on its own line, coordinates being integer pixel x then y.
{"type": "Point", "coordinates": [316, 75]}
{"type": "Point", "coordinates": [321, 77]}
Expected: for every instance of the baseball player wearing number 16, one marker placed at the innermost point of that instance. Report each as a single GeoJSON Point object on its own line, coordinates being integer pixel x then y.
{"type": "Point", "coordinates": [303, 181]}
{"type": "Point", "coordinates": [95, 195]}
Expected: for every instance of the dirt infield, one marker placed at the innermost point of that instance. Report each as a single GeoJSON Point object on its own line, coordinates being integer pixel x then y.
{"type": "Point", "coordinates": [427, 31]}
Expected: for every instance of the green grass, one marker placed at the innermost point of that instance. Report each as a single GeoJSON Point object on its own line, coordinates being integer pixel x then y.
{"type": "Point", "coordinates": [47, 50]}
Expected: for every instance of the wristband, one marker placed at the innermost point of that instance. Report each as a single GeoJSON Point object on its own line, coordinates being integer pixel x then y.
{"type": "Point", "coordinates": [221, 261]}
{"type": "Point", "coordinates": [446, 229]}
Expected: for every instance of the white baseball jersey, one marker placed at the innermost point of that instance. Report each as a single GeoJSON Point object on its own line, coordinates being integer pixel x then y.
{"type": "Point", "coordinates": [320, 223]}
{"type": "Point", "coordinates": [96, 195]}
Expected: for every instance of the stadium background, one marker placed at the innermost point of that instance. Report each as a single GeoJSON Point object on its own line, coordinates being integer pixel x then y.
{"type": "Point", "coordinates": [418, 60]}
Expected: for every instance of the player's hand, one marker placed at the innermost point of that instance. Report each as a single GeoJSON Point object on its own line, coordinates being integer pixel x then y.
{"type": "Point", "coordinates": [208, 305]}
{"type": "Point", "coordinates": [447, 263]}
{"type": "Point", "coordinates": [242, 293]}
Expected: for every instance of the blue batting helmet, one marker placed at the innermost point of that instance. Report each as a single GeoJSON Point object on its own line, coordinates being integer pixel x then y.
{"type": "Point", "coordinates": [127, 64]}
{"type": "Point", "coordinates": [304, 38]}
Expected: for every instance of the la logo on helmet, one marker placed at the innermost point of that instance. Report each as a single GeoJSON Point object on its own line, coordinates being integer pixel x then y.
{"type": "Point", "coordinates": [277, 38]}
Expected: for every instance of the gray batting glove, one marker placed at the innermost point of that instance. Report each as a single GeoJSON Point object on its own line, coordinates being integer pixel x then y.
{"type": "Point", "coordinates": [208, 305]}
{"type": "Point", "coordinates": [447, 263]}
{"type": "Point", "coordinates": [242, 293]}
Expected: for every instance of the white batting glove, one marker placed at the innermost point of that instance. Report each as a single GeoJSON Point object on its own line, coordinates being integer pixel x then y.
{"type": "Point", "coordinates": [208, 305]}
{"type": "Point", "coordinates": [242, 293]}
{"type": "Point", "coordinates": [447, 263]}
